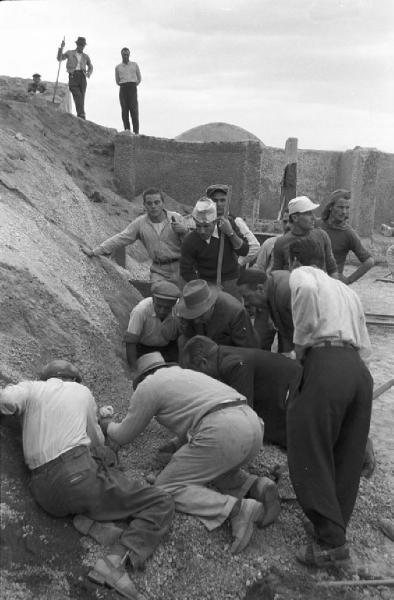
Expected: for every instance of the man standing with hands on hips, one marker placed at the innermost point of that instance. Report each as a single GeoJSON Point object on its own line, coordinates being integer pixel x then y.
{"type": "Point", "coordinates": [79, 67]}
{"type": "Point", "coordinates": [127, 77]}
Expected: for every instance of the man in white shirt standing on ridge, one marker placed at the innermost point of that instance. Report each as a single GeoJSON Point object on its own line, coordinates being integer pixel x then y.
{"type": "Point", "coordinates": [328, 421]}
{"type": "Point", "coordinates": [79, 67]}
{"type": "Point", "coordinates": [128, 77]}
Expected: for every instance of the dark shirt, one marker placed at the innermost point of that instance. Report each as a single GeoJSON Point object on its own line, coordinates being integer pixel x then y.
{"type": "Point", "coordinates": [229, 324]}
{"type": "Point", "coordinates": [36, 87]}
{"type": "Point", "coordinates": [281, 250]}
{"type": "Point", "coordinates": [199, 259]}
{"type": "Point", "coordinates": [343, 239]}
{"type": "Point", "coordinates": [266, 379]}
{"type": "Point", "coordinates": [279, 305]}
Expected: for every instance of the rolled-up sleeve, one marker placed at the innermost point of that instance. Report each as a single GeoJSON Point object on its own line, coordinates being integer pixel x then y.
{"type": "Point", "coordinates": [13, 398]}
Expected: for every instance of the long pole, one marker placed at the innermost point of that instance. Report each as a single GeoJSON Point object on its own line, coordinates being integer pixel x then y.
{"type": "Point", "coordinates": [58, 71]}
{"type": "Point", "coordinates": [221, 241]}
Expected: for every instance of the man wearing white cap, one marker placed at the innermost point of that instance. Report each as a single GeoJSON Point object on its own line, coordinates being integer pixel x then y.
{"type": "Point", "coordinates": [302, 225]}
{"type": "Point", "coordinates": [200, 248]}
{"type": "Point", "coordinates": [153, 324]}
{"type": "Point", "coordinates": [217, 434]}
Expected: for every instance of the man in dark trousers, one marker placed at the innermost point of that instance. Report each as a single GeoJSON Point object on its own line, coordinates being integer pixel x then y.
{"type": "Point", "coordinates": [79, 67]}
{"type": "Point", "coordinates": [264, 378]}
{"type": "Point", "coordinates": [128, 77]}
{"type": "Point", "coordinates": [200, 248]}
{"type": "Point", "coordinates": [204, 310]}
{"type": "Point", "coordinates": [328, 422]}
{"type": "Point", "coordinates": [63, 447]}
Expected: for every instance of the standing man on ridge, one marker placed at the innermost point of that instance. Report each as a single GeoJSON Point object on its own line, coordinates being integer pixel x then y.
{"type": "Point", "coordinates": [128, 77]}
{"type": "Point", "coordinates": [79, 67]}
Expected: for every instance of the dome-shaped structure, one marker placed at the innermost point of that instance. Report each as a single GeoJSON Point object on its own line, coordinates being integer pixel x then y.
{"type": "Point", "coordinates": [217, 132]}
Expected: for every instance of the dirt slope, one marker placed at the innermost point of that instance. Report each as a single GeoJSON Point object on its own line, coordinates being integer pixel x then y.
{"type": "Point", "coordinates": [56, 189]}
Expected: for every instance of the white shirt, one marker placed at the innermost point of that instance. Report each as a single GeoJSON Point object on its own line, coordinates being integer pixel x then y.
{"type": "Point", "coordinates": [253, 242]}
{"type": "Point", "coordinates": [149, 328]}
{"type": "Point", "coordinates": [326, 309]}
{"type": "Point", "coordinates": [127, 73]}
{"type": "Point", "coordinates": [177, 397]}
{"type": "Point", "coordinates": [57, 416]}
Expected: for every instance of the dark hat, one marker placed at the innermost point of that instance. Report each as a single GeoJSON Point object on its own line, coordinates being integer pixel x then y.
{"type": "Point", "coordinates": [216, 187]}
{"type": "Point", "coordinates": [60, 369]}
{"type": "Point", "coordinates": [197, 298]}
{"type": "Point", "coordinates": [165, 290]}
{"type": "Point", "coordinates": [36, 75]}
{"type": "Point", "coordinates": [81, 40]}
{"type": "Point", "coordinates": [148, 363]}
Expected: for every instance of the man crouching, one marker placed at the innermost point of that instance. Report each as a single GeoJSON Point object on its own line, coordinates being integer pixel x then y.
{"type": "Point", "coordinates": [218, 434]}
{"type": "Point", "coordinates": [62, 443]}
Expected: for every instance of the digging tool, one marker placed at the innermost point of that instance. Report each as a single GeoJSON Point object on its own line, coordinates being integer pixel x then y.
{"type": "Point", "coordinates": [58, 71]}
{"type": "Point", "coordinates": [221, 241]}
{"type": "Point", "coordinates": [383, 388]}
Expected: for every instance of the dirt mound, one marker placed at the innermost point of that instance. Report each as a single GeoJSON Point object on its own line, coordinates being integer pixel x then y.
{"type": "Point", "coordinates": [57, 190]}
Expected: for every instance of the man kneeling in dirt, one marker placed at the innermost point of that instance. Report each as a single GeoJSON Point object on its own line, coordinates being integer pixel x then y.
{"type": "Point", "coordinates": [218, 434]}
{"type": "Point", "coordinates": [62, 445]}
{"type": "Point", "coordinates": [267, 379]}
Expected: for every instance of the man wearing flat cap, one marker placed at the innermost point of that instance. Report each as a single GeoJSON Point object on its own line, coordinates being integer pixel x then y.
{"type": "Point", "coordinates": [204, 310]}
{"type": "Point", "coordinates": [218, 192]}
{"type": "Point", "coordinates": [79, 67]}
{"type": "Point", "coordinates": [36, 86]}
{"type": "Point", "coordinates": [153, 325]}
{"type": "Point", "coordinates": [217, 434]}
{"type": "Point", "coordinates": [335, 217]}
{"type": "Point", "coordinates": [200, 248]}
{"type": "Point", "coordinates": [302, 224]}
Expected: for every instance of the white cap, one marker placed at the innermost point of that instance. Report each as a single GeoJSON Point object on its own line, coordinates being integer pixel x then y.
{"type": "Point", "coordinates": [301, 204]}
{"type": "Point", "coordinates": [205, 211]}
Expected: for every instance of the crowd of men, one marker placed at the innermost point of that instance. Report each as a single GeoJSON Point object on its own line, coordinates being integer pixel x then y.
{"type": "Point", "coordinates": [205, 365]}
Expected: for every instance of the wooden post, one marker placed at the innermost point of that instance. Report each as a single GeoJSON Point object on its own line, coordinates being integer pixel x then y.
{"type": "Point", "coordinates": [289, 180]}
{"type": "Point", "coordinates": [221, 240]}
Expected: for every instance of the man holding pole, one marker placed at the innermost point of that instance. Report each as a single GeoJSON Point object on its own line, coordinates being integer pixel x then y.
{"type": "Point", "coordinates": [79, 67]}
{"type": "Point", "coordinates": [200, 250]}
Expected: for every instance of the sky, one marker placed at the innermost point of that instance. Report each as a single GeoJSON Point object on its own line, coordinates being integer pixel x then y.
{"type": "Point", "coordinates": [318, 70]}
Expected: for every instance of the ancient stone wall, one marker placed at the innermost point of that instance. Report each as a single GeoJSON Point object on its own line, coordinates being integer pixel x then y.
{"type": "Point", "coordinates": [184, 169]}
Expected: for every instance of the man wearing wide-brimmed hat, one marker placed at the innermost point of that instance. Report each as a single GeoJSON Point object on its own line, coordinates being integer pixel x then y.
{"type": "Point", "coordinates": [153, 324]}
{"type": "Point", "coordinates": [302, 224]}
{"type": "Point", "coordinates": [79, 67]}
{"type": "Point", "coordinates": [207, 311]}
{"type": "Point", "coordinates": [200, 248]}
{"type": "Point", "coordinates": [217, 433]}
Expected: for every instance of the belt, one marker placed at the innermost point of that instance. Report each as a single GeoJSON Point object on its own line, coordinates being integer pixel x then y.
{"type": "Point", "coordinates": [167, 261]}
{"type": "Point", "coordinates": [59, 459]}
{"type": "Point", "coordinates": [224, 405]}
{"type": "Point", "coordinates": [331, 343]}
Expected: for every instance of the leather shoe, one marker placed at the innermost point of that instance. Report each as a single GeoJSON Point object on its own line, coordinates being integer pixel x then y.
{"type": "Point", "coordinates": [264, 490]}
{"type": "Point", "coordinates": [250, 513]}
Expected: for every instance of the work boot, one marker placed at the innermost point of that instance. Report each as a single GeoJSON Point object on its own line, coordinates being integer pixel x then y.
{"type": "Point", "coordinates": [250, 513]}
{"type": "Point", "coordinates": [111, 571]}
{"type": "Point", "coordinates": [264, 490]}
{"type": "Point", "coordinates": [105, 533]}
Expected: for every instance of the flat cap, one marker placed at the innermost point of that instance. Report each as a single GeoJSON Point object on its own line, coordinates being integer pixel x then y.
{"type": "Point", "coordinates": [165, 290]}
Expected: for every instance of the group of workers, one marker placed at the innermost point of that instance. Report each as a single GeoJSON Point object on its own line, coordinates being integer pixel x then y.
{"type": "Point", "coordinates": [202, 364]}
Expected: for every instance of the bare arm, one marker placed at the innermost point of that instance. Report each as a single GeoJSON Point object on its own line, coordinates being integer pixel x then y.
{"type": "Point", "coordinates": [139, 78]}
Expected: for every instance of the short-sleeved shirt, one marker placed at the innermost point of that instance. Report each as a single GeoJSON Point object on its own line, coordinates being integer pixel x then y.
{"type": "Point", "coordinates": [149, 328]}
{"type": "Point", "coordinates": [343, 239]}
{"type": "Point", "coordinates": [281, 250]}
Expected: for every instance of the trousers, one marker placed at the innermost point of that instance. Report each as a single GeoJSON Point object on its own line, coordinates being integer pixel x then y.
{"type": "Point", "coordinates": [217, 448]}
{"type": "Point", "coordinates": [77, 85]}
{"type": "Point", "coordinates": [129, 104]}
{"type": "Point", "coordinates": [327, 430]}
{"type": "Point", "coordinates": [80, 484]}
